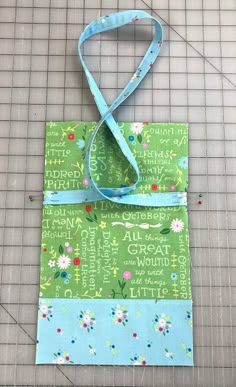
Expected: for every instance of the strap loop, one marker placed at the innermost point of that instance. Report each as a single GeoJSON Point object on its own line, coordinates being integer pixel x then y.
{"type": "Point", "coordinates": [99, 25]}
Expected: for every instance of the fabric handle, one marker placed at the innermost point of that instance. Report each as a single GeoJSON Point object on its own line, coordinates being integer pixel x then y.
{"type": "Point", "coordinates": [117, 194]}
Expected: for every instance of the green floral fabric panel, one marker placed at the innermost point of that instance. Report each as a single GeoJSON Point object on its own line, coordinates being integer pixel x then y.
{"type": "Point", "coordinates": [108, 250]}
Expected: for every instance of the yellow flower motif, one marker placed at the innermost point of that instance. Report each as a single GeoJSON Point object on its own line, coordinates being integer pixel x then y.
{"type": "Point", "coordinates": [115, 269]}
{"type": "Point", "coordinates": [172, 154]}
{"type": "Point", "coordinates": [102, 224]}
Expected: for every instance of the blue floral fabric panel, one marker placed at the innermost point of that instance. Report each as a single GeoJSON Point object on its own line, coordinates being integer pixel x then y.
{"type": "Point", "coordinates": [115, 332]}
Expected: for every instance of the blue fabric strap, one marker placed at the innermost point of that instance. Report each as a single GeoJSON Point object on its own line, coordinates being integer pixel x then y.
{"type": "Point", "coordinates": [120, 195]}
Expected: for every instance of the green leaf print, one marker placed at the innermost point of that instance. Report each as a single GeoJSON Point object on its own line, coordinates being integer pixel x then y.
{"type": "Point", "coordinates": [140, 139]}
{"type": "Point", "coordinates": [61, 250]}
{"type": "Point", "coordinates": [165, 231]}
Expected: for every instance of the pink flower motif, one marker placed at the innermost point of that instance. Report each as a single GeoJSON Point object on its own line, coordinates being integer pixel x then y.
{"type": "Point", "coordinates": [173, 187]}
{"type": "Point", "coordinates": [85, 182]}
{"type": "Point", "coordinates": [69, 249]}
{"type": "Point", "coordinates": [127, 275]}
{"type": "Point", "coordinates": [144, 145]}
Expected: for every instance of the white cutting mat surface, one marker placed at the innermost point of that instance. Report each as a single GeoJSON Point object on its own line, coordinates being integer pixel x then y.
{"type": "Point", "coordinates": [194, 81]}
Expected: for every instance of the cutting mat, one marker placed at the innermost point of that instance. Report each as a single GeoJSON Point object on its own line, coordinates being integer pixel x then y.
{"type": "Point", "coordinates": [194, 81]}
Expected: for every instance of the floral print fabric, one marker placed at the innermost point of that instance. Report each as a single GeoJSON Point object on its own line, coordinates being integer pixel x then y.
{"type": "Point", "coordinates": [115, 332]}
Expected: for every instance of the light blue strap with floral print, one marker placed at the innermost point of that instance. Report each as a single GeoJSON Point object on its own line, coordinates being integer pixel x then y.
{"type": "Point", "coordinates": [121, 195]}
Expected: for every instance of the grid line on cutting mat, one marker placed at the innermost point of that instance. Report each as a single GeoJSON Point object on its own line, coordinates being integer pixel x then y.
{"type": "Point", "coordinates": [193, 81]}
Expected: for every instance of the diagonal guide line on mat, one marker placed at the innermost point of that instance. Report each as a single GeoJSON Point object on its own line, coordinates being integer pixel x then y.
{"type": "Point", "coordinates": [195, 49]}
{"type": "Point", "coordinates": [31, 338]}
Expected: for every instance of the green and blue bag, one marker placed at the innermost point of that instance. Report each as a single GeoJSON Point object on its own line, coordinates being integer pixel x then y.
{"type": "Point", "coordinates": [115, 265]}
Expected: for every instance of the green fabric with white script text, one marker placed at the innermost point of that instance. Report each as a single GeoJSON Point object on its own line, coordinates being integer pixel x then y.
{"type": "Point", "coordinates": [103, 249]}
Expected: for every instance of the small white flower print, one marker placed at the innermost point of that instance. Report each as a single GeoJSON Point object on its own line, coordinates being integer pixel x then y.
{"type": "Point", "coordinates": [51, 263]}
{"type": "Point", "coordinates": [92, 350]}
{"type": "Point", "coordinates": [48, 194]}
{"type": "Point", "coordinates": [63, 262]}
{"type": "Point", "coordinates": [136, 127]}
{"type": "Point", "coordinates": [119, 313]}
{"type": "Point", "coordinates": [162, 322]}
{"type": "Point", "coordinates": [44, 308]}
{"type": "Point", "coordinates": [177, 225]}
{"type": "Point", "coordinates": [60, 360]}
{"type": "Point", "coordinates": [86, 318]}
